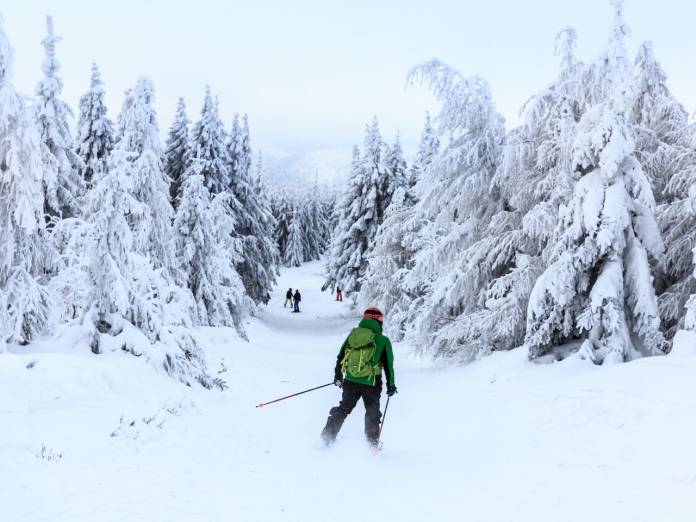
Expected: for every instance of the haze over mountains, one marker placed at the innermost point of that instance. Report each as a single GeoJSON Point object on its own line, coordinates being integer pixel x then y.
{"type": "Point", "coordinates": [327, 167]}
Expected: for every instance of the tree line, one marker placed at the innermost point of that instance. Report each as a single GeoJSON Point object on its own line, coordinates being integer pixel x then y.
{"type": "Point", "coordinates": [114, 231]}
{"type": "Point", "coordinates": [571, 233]}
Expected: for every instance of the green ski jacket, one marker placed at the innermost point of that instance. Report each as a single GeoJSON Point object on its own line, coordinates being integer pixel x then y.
{"type": "Point", "coordinates": [383, 355]}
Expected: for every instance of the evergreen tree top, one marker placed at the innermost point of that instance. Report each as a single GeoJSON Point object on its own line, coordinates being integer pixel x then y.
{"type": "Point", "coordinates": [178, 131]}
{"type": "Point", "coordinates": [208, 146]}
{"type": "Point", "coordinates": [138, 128]}
{"type": "Point", "coordinates": [96, 83]}
{"type": "Point", "coordinates": [94, 130]}
{"type": "Point", "coordinates": [209, 111]}
{"type": "Point", "coordinates": [50, 65]}
{"type": "Point", "coordinates": [616, 65]}
{"type": "Point", "coordinates": [50, 86]}
{"type": "Point", "coordinates": [566, 40]}
{"type": "Point", "coordinates": [650, 75]}
{"type": "Point", "coordinates": [468, 116]}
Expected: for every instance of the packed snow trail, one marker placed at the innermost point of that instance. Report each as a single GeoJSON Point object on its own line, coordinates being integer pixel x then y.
{"type": "Point", "coordinates": [499, 440]}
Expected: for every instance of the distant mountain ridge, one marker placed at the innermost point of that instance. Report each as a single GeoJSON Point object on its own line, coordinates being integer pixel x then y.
{"type": "Point", "coordinates": [328, 167]}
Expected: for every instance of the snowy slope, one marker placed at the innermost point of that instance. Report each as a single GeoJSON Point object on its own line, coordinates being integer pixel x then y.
{"type": "Point", "coordinates": [498, 440]}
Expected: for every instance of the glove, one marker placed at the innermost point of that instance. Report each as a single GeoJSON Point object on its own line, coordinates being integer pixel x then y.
{"type": "Point", "coordinates": [338, 381]}
{"type": "Point", "coordinates": [391, 390]}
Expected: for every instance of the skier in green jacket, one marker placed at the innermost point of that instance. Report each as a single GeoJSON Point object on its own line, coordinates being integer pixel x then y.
{"type": "Point", "coordinates": [365, 353]}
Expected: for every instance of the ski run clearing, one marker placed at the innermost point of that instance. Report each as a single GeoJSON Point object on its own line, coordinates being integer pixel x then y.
{"type": "Point", "coordinates": [106, 438]}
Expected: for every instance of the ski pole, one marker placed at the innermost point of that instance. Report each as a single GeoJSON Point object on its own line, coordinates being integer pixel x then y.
{"type": "Point", "coordinates": [381, 426]}
{"type": "Point", "coordinates": [293, 395]}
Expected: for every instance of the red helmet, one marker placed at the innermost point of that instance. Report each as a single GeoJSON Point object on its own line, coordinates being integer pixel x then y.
{"type": "Point", "coordinates": [373, 313]}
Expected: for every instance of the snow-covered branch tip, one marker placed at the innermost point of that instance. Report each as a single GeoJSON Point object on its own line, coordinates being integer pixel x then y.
{"type": "Point", "coordinates": [445, 81]}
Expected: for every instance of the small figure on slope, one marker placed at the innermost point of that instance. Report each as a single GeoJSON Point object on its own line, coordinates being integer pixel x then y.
{"type": "Point", "coordinates": [288, 298]}
{"type": "Point", "coordinates": [339, 294]}
{"type": "Point", "coordinates": [296, 301]}
{"type": "Point", "coordinates": [363, 356]}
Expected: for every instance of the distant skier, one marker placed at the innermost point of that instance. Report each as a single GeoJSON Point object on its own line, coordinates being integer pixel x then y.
{"type": "Point", "coordinates": [288, 298]}
{"type": "Point", "coordinates": [339, 294]}
{"type": "Point", "coordinates": [296, 301]}
{"type": "Point", "coordinates": [363, 356]}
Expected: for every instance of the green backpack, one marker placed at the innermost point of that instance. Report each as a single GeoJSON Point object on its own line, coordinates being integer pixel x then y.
{"type": "Point", "coordinates": [360, 354]}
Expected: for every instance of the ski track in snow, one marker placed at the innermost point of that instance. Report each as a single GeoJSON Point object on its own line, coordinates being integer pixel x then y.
{"type": "Point", "coordinates": [499, 440]}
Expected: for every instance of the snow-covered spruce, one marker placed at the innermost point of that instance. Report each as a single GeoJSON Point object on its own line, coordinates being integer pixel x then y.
{"type": "Point", "coordinates": [208, 147]}
{"type": "Point", "coordinates": [666, 152]}
{"type": "Point", "coordinates": [532, 179]}
{"type": "Point", "coordinates": [456, 228]}
{"type": "Point", "coordinates": [266, 221]}
{"type": "Point", "coordinates": [259, 258]}
{"type": "Point", "coordinates": [129, 286]}
{"type": "Point", "coordinates": [389, 262]}
{"type": "Point", "coordinates": [396, 169]}
{"type": "Point", "coordinates": [397, 244]}
{"type": "Point", "coordinates": [177, 151]}
{"type": "Point", "coordinates": [25, 303]}
{"type": "Point", "coordinates": [361, 212]}
{"type": "Point", "coordinates": [282, 213]}
{"type": "Point", "coordinates": [296, 246]}
{"type": "Point", "coordinates": [95, 131]}
{"type": "Point", "coordinates": [330, 217]}
{"type": "Point", "coordinates": [315, 212]}
{"type": "Point", "coordinates": [138, 155]}
{"type": "Point", "coordinates": [127, 210]}
{"type": "Point", "coordinates": [314, 226]}
{"type": "Point", "coordinates": [62, 195]}
{"type": "Point", "coordinates": [207, 252]}
{"type": "Point", "coordinates": [599, 285]}
{"type": "Point", "coordinates": [427, 151]}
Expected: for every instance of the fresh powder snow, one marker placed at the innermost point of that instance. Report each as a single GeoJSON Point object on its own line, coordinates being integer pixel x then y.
{"type": "Point", "coordinates": [537, 279]}
{"type": "Point", "coordinates": [106, 437]}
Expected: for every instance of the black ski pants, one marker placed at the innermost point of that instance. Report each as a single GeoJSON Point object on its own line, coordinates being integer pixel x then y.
{"type": "Point", "coordinates": [352, 393]}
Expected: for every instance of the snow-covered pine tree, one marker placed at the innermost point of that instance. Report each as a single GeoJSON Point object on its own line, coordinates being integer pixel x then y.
{"type": "Point", "coordinates": [128, 216]}
{"type": "Point", "coordinates": [313, 226]}
{"type": "Point", "coordinates": [267, 223]}
{"type": "Point", "coordinates": [397, 240]}
{"type": "Point", "coordinates": [427, 151]}
{"type": "Point", "coordinates": [125, 287]}
{"type": "Point", "coordinates": [660, 123]}
{"type": "Point", "coordinates": [532, 179]}
{"type": "Point", "coordinates": [25, 304]}
{"type": "Point", "coordinates": [259, 256]}
{"type": "Point", "coordinates": [664, 148]}
{"type": "Point", "coordinates": [369, 192]}
{"type": "Point", "coordinates": [94, 142]}
{"type": "Point", "coordinates": [140, 159]}
{"type": "Point", "coordinates": [282, 213]}
{"type": "Point", "coordinates": [177, 151]}
{"type": "Point", "coordinates": [389, 262]}
{"type": "Point", "coordinates": [329, 218]}
{"type": "Point", "coordinates": [239, 151]}
{"type": "Point", "coordinates": [296, 246]}
{"type": "Point", "coordinates": [208, 146]}
{"type": "Point", "coordinates": [599, 286]}
{"type": "Point", "coordinates": [207, 252]}
{"type": "Point", "coordinates": [111, 269]}
{"type": "Point", "coordinates": [453, 227]}
{"type": "Point", "coordinates": [95, 131]}
{"type": "Point", "coordinates": [52, 116]}
{"type": "Point", "coordinates": [396, 167]}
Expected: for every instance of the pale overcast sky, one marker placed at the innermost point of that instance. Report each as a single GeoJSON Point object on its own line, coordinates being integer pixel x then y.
{"type": "Point", "coordinates": [310, 73]}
